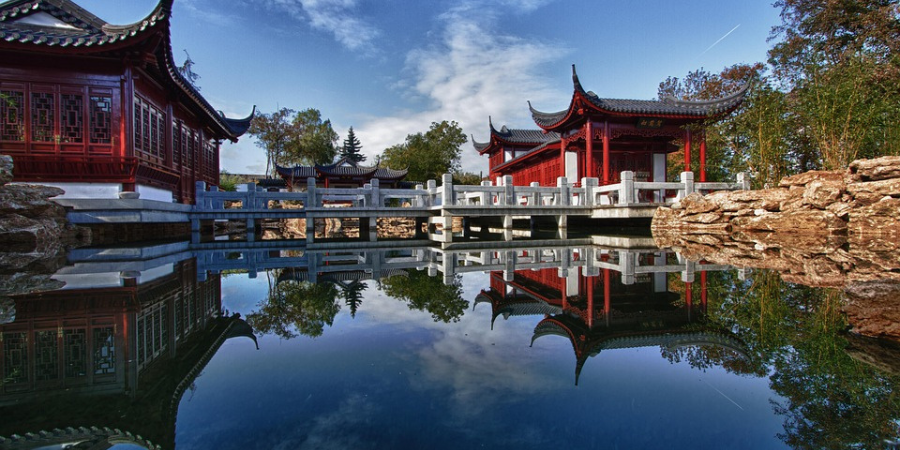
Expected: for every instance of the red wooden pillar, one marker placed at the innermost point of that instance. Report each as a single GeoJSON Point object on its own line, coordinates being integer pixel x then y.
{"type": "Point", "coordinates": [606, 295]}
{"type": "Point", "coordinates": [589, 146]}
{"type": "Point", "coordinates": [606, 152]}
{"type": "Point", "coordinates": [590, 299]}
{"type": "Point", "coordinates": [703, 291]}
{"type": "Point", "coordinates": [563, 295]}
{"type": "Point", "coordinates": [689, 297]}
{"type": "Point", "coordinates": [703, 156]}
{"type": "Point", "coordinates": [687, 150]}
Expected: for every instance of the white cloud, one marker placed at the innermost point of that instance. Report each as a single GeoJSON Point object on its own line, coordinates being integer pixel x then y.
{"type": "Point", "coordinates": [332, 16]}
{"type": "Point", "coordinates": [472, 72]}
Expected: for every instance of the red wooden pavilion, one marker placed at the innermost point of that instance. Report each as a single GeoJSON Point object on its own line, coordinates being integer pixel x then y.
{"type": "Point", "coordinates": [600, 137]}
{"type": "Point", "coordinates": [99, 109]}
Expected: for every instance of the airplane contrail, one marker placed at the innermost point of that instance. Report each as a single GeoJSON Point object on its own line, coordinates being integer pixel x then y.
{"type": "Point", "coordinates": [720, 40]}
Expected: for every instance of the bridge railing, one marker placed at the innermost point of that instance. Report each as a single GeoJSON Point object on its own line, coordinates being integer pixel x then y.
{"type": "Point", "coordinates": [627, 192]}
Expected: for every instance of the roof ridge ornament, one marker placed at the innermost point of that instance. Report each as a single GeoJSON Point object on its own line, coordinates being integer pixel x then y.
{"type": "Point", "coordinates": [575, 81]}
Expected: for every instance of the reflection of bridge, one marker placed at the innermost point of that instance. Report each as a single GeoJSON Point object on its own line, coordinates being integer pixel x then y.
{"type": "Point", "coordinates": [591, 255]}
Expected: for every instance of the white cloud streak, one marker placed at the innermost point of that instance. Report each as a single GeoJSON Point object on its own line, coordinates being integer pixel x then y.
{"type": "Point", "coordinates": [471, 73]}
{"type": "Point", "coordinates": [333, 16]}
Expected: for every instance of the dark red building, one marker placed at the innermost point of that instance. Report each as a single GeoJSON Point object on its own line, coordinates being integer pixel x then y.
{"type": "Point", "coordinates": [600, 137]}
{"type": "Point", "coordinates": [98, 109]}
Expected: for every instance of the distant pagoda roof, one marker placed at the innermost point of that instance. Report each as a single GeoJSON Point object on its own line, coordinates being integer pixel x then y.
{"type": "Point", "coordinates": [342, 167]}
{"type": "Point", "coordinates": [668, 107]}
{"type": "Point", "coordinates": [62, 27]}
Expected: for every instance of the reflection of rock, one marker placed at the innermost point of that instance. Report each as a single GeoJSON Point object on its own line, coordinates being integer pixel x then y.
{"type": "Point", "coordinates": [864, 199]}
{"type": "Point", "coordinates": [7, 310]}
{"type": "Point", "coordinates": [879, 353]}
{"type": "Point", "coordinates": [867, 267]}
{"type": "Point", "coordinates": [873, 307]}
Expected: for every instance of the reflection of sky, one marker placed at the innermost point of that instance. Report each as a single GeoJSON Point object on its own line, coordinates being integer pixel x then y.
{"type": "Point", "coordinates": [393, 378]}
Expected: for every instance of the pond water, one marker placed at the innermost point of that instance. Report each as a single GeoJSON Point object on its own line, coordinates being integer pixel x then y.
{"type": "Point", "coordinates": [566, 344]}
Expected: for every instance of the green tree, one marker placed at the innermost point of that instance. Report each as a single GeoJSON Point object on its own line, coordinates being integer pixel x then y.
{"type": "Point", "coordinates": [296, 307]}
{"type": "Point", "coordinates": [352, 147]}
{"type": "Point", "coordinates": [425, 293]}
{"type": "Point", "coordinates": [467, 178]}
{"type": "Point", "coordinates": [228, 182]}
{"type": "Point", "coordinates": [275, 134]}
{"type": "Point", "coordinates": [316, 139]}
{"type": "Point", "coordinates": [428, 155]}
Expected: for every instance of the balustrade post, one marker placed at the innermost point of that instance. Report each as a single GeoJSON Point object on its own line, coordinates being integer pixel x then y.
{"type": "Point", "coordinates": [535, 197]}
{"type": "Point", "coordinates": [563, 186]}
{"type": "Point", "coordinates": [200, 194]}
{"type": "Point", "coordinates": [447, 190]}
{"type": "Point", "coordinates": [589, 184]}
{"type": "Point", "coordinates": [687, 179]}
{"type": "Point", "coordinates": [626, 188]}
{"type": "Point", "coordinates": [509, 190]}
{"type": "Point", "coordinates": [375, 200]}
{"type": "Point", "coordinates": [310, 193]}
{"type": "Point", "coordinates": [744, 181]}
{"type": "Point", "coordinates": [251, 196]}
{"type": "Point", "coordinates": [431, 185]}
{"type": "Point", "coordinates": [419, 200]}
{"type": "Point", "coordinates": [484, 195]}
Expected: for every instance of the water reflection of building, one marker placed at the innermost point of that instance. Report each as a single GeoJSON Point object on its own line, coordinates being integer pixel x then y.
{"type": "Point", "coordinates": [132, 341]}
{"type": "Point", "coordinates": [609, 309]}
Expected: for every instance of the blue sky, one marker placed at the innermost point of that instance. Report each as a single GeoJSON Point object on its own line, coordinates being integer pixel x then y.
{"type": "Point", "coordinates": [390, 67]}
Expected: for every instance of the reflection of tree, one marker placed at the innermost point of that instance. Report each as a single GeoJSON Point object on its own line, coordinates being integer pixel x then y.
{"type": "Point", "coordinates": [352, 295]}
{"type": "Point", "coordinates": [794, 333]}
{"type": "Point", "coordinates": [425, 293]}
{"type": "Point", "coordinates": [296, 305]}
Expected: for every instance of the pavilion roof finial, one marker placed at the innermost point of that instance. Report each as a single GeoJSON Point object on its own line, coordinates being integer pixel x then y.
{"type": "Point", "coordinates": [575, 81]}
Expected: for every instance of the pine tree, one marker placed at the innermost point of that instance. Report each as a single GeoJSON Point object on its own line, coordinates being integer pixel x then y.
{"type": "Point", "coordinates": [351, 148]}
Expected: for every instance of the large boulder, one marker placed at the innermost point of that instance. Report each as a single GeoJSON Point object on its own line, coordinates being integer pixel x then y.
{"type": "Point", "coordinates": [798, 221]}
{"type": "Point", "coordinates": [876, 169]}
{"type": "Point", "coordinates": [803, 179]}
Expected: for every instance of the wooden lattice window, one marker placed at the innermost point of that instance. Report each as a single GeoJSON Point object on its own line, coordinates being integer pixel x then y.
{"type": "Point", "coordinates": [46, 355]}
{"type": "Point", "coordinates": [15, 357]}
{"type": "Point", "coordinates": [176, 142]}
{"type": "Point", "coordinates": [75, 349]}
{"type": "Point", "coordinates": [104, 351]}
{"type": "Point", "coordinates": [72, 118]}
{"type": "Point", "coordinates": [43, 117]}
{"type": "Point", "coordinates": [149, 128]}
{"type": "Point", "coordinates": [210, 159]}
{"type": "Point", "coordinates": [101, 115]}
{"type": "Point", "coordinates": [12, 116]}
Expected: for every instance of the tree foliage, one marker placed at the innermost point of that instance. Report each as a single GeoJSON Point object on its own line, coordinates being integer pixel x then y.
{"type": "Point", "coordinates": [290, 137]}
{"type": "Point", "coordinates": [351, 148]}
{"type": "Point", "coordinates": [428, 155]}
{"type": "Point", "coordinates": [829, 94]}
{"type": "Point", "coordinates": [296, 307]}
{"type": "Point", "coordinates": [426, 293]}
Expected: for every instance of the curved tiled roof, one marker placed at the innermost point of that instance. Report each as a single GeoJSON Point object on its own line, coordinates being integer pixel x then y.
{"type": "Point", "coordinates": [85, 32]}
{"type": "Point", "coordinates": [667, 107]}
{"type": "Point", "coordinates": [298, 172]}
{"type": "Point", "coordinates": [533, 137]}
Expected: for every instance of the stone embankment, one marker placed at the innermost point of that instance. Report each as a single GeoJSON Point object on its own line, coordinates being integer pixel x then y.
{"type": "Point", "coordinates": [864, 199]}
{"type": "Point", "coordinates": [834, 229]}
{"type": "Point", "coordinates": [34, 236]}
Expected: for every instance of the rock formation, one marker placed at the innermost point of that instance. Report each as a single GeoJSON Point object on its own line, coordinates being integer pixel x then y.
{"type": "Point", "coordinates": [34, 236]}
{"type": "Point", "coordinates": [863, 199]}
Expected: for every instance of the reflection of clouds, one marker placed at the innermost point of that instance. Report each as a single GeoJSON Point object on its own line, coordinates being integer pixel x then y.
{"type": "Point", "coordinates": [481, 366]}
{"type": "Point", "coordinates": [336, 429]}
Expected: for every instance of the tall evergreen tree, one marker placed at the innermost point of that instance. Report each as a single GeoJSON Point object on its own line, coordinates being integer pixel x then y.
{"type": "Point", "coordinates": [351, 148]}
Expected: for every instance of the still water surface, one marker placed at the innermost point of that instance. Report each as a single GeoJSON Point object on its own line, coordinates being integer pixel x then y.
{"type": "Point", "coordinates": [401, 349]}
